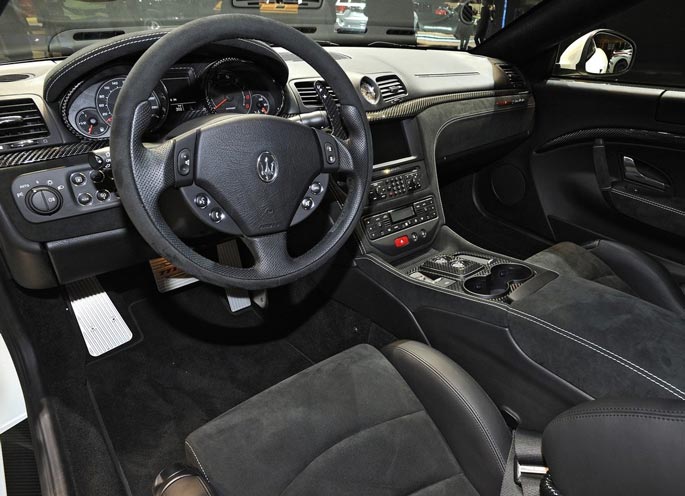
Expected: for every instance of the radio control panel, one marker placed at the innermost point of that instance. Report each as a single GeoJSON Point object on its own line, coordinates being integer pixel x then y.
{"type": "Point", "coordinates": [395, 186]}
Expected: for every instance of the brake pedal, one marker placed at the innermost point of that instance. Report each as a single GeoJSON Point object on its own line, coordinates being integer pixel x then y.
{"type": "Point", "coordinates": [238, 299]}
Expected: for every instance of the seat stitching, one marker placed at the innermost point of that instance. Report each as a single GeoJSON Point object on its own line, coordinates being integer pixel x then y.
{"type": "Point", "coordinates": [474, 413]}
{"type": "Point", "coordinates": [608, 354]}
{"type": "Point", "coordinates": [417, 491]}
{"type": "Point", "coordinates": [580, 416]}
{"type": "Point", "coordinates": [365, 429]}
{"type": "Point", "coordinates": [541, 322]}
{"type": "Point", "coordinates": [197, 460]}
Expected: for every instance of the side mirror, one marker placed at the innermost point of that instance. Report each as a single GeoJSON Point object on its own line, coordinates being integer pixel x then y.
{"type": "Point", "coordinates": [600, 52]}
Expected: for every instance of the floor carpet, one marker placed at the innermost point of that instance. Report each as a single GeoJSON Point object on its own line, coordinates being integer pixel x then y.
{"type": "Point", "coordinates": [179, 374]}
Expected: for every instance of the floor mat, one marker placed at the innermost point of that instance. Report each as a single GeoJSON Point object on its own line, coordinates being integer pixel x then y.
{"type": "Point", "coordinates": [154, 393]}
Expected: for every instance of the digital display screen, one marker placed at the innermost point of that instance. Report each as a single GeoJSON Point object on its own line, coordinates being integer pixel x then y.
{"type": "Point", "coordinates": [389, 142]}
{"type": "Point", "coordinates": [402, 214]}
{"type": "Point", "coordinates": [181, 98]}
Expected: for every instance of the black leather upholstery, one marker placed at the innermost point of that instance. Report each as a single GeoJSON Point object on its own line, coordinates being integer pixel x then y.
{"type": "Point", "coordinates": [618, 447]}
{"type": "Point", "coordinates": [465, 415]}
{"type": "Point", "coordinates": [353, 425]}
{"type": "Point", "coordinates": [618, 266]}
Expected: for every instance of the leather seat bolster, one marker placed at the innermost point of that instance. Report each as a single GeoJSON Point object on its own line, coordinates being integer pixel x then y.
{"type": "Point", "coordinates": [647, 278]}
{"type": "Point", "coordinates": [469, 421]}
{"type": "Point", "coordinates": [618, 447]}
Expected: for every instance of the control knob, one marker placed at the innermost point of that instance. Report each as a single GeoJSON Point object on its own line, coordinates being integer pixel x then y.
{"type": "Point", "coordinates": [44, 200]}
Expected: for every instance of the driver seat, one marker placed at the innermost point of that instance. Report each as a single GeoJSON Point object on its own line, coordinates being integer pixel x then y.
{"type": "Point", "coordinates": [411, 422]}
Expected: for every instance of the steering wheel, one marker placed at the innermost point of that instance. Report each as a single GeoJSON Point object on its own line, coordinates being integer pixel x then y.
{"type": "Point", "coordinates": [256, 169]}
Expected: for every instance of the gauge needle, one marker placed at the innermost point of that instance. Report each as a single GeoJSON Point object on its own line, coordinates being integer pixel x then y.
{"type": "Point", "coordinates": [218, 105]}
{"type": "Point", "coordinates": [109, 121]}
{"type": "Point", "coordinates": [90, 129]}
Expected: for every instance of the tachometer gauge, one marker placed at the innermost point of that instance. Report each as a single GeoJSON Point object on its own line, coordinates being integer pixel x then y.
{"type": "Point", "coordinates": [107, 94]}
{"type": "Point", "coordinates": [90, 124]}
{"type": "Point", "coordinates": [260, 104]}
{"type": "Point", "coordinates": [226, 93]}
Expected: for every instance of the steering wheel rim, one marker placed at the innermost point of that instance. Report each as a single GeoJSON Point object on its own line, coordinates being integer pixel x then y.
{"type": "Point", "coordinates": [143, 173]}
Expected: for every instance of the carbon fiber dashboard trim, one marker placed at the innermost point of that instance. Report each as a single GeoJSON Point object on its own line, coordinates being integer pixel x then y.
{"type": "Point", "coordinates": [405, 109]}
{"type": "Point", "coordinates": [643, 135]}
{"type": "Point", "coordinates": [49, 153]}
{"type": "Point", "coordinates": [410, 108]}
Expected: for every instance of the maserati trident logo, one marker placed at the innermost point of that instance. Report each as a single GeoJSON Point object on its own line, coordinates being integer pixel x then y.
{"type": "Point", "coordinates": [267, 167]}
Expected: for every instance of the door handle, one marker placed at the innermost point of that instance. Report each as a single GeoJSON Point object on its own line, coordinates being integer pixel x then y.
{"type": "Point", "coordinates": [631, 172]}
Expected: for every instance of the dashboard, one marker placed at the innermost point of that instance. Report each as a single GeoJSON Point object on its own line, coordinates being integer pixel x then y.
{"type": "Point", "coordinates": [227, 85]}
{"type": "Point", "coordinates": [58, 208]}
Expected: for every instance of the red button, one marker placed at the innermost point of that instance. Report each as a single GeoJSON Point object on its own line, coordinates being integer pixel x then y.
{"type": "Point", "coordinates": [401, 241]}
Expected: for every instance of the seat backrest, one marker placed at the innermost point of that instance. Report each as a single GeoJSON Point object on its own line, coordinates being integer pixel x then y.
{"type": "Point", "coordinates": [618, 448]}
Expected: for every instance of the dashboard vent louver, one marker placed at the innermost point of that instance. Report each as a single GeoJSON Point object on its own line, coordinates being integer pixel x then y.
{"type": "Point", "coordinates": [513, 75]}
{"type": "Point", "coordinates": [255, 4]}
{"type": "Point", "coordinates": [392, 88]}
{"type": "Point", "coordinates": [308, 94]}
{"type": "Point", "coordinates": [20, 120]}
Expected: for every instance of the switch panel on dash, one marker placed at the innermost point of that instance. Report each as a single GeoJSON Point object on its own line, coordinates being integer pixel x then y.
{"type": "Point", "coordinates": [62, 192]}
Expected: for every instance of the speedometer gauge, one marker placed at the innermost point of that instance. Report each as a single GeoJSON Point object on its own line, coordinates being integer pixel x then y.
{"type": "Point", "coordinates": [106, 98]}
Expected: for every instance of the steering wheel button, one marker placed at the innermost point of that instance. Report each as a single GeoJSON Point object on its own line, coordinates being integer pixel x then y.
{"type": "Point", "coordinates": [184, 162]}
{"type": "Point", "coordinates": [316, 188]}
{"type": "Point", "coordinates": [78, 179]}
{"type": "Point", "coordinates": [201, 200]}
{"type": "Point", "coordinates": [216, 215]}
{"type": "Point", "coordinates": [307, 203]}
{"type": "Point", "coordinates": [84, 198]}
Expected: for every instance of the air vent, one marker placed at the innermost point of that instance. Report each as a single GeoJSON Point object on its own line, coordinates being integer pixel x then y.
{"type": "Point", "coordinates": [513, 75]}
{"type": "Point", "coordinates": [309, 96]}
{"type": "Point", "coordinates": [391, 87]}
{"type": "Point", "coordinates": [291, 57]}
{"type": "Point", "coordinates": [10, 78]}
{"type": "Point", "coordinates": [301, 4]}
{"type": "Point", "coordinates": [96, 35]}
{"type": "Point", "coordinates": [20, 120]}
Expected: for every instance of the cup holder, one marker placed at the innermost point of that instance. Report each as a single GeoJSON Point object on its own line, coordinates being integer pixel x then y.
{"type": "Point", "coordinates": [497, 283]}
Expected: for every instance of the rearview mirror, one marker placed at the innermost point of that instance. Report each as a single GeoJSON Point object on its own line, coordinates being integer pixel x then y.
{"type": "Point", "coordinates": [600, 52]}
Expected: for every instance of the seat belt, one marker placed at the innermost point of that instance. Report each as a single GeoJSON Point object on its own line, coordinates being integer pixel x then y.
{"type": "Point", "coordinates": [525, 466]}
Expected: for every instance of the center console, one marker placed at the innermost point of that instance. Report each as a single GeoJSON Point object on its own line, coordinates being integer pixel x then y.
{"type": "Point", "coordinates": [403, 212]}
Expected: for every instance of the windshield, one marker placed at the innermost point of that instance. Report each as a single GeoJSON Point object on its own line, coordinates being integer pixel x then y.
{"type": "Point", "coordinates": [36, 29]}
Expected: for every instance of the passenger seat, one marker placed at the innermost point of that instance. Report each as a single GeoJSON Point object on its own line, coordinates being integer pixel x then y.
{"type": "Point", "coordinates": [617, 266]}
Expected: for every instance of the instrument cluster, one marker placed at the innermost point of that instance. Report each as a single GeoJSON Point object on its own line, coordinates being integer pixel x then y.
{"type": "Point", "coordinates": [225, 86]}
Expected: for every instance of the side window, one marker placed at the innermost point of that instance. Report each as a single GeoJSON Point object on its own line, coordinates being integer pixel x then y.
{"type": "Point", "coordinates": [642, 45]}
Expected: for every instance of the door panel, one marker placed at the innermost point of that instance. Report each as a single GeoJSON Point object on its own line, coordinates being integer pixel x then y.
{"type": "Point", "coordinates": [603, 166]}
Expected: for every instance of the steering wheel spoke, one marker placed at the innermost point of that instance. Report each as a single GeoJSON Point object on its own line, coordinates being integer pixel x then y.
{"type": "Point", "coordinates": [270, 252]}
